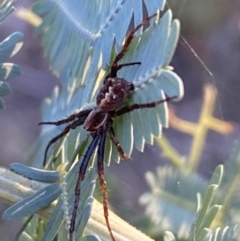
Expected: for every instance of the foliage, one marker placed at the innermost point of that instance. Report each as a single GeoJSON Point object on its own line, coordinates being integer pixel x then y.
{"type": "Point", "coordinates": [80, 48]}
{"type": "Point", "coordinates": [174, 190]}
{"type": "Point", "coordinates": [8, 47]}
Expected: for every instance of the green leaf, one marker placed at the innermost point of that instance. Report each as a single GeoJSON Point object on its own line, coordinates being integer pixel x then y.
{"type": "Point", "coordinates": [1, 104]}
{"type": "Point", "coordinates": [10, 46]}
{"type": "Point", "coordinates": [34, 173]}
{"type": "Point", "coordinates": [9, 70]}
{"type": "Point", "coordinates": [222, 234]}
{"type": "Point", "coordinates": [217, 175]}
{"type": "Point", "coordinates": [202, 235]}
{"type": "Point", "coordinates": [173, 198]}
{"type": "Point", "coordinates": [206, 221]}
{"type": "Point", "coordinates": [64, 207]}
{"type": "Point", "coordinates": [63, 28]}
{"type": "Point", "coordinates": [208, 197]}
{"type": "Point", "coordinates": [168, 236]}
{"type": "Point", "coordinates": [36, 226]}
{"type": "Point", "coordinates": [33, 203]}
{"type": "Point", "coordinates": [89, 238]}
{"type": "Point", "coordinates": [5, 88]}
{"type": "Point", "coordinates": [6, 8]}
{"type": "Point", "coordinates": [54, 223]}
{"type": "Point", "coordinates": [207, 210]}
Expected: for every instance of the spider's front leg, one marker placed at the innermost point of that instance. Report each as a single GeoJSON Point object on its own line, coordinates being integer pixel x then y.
{"type": "Point", "coordinates": [133, 107]}
{"type": "Point", "coordinates": [130, 38]}
{"type": "Point", "coordinates": [82, 115]}
{"type": "Point", "coordinates": [115, 67]}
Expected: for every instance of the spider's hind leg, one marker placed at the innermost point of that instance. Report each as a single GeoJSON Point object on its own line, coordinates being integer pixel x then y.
{"type": "Point", "coordinates": [117, 144]}
{"type": "Point", "coordinates": [103, 185]}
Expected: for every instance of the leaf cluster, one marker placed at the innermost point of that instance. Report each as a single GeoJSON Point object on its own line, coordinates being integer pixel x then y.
{"type": "Point", "coordinates": [8, 48]}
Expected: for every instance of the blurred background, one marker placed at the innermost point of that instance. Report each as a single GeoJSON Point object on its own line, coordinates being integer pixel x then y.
{"type": "Point", "coordinates": [211, 28]}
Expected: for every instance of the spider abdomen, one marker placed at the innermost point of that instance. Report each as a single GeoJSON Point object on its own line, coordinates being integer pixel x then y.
{"type": "Point", "coordinates": [113, 94]}
{"type": "Point", "coordinates": [96, 120]}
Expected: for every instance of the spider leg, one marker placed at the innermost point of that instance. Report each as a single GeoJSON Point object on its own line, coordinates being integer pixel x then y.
{"type": "Point", "coordinates": [130, 108]}
{"type": "Point", "coordinates": [103, 185]}
{"type": "Point", "coordinates": [73, 125]}
{"type": "Point", "coordinates": [80, 115]}
{"type": "Point", "coordinates": [114, 70]}
{"type": "Point", "coordinates": [81, 176]}
{"type": "Point", "coordinates": [129, 40]}
{"type": "Point", "coordinates": [117, 144]}
{"type": "Point", "coordinates": [127, 64]}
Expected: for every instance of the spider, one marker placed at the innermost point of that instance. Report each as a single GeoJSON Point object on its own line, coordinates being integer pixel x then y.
{"type": "Point", "coordinates": [98, 121]}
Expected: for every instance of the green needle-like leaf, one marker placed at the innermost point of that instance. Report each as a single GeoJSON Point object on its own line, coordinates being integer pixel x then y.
{"type": "Point", "coordinates": [33, 203]}
{"type": "Point", "coordinates": [8, 47]}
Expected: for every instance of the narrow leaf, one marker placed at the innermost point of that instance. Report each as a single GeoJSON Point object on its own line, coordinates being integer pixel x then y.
{"type": "Point", "coordinates": [217, 175]}
{"type": "Point", "coordinates": [10, 46]}
{"type": "Point", "coordinates": [9, 70]}
{"type": "Point", "coordinates": [5, 88]}
{"type": "Point", "coordinates": [6, 8]}
{"type": "Point", "coordinates": [206, 203]}
{"type": "Point", "coordinates": [33, 203]}
{"type": "Point", "coordinates": [35, 173]}
{"type": "Point", "coordinates": [202, 234]}
{"type": "Point", "coordinates": [1, 104]}
{"type": "Point", "coordinates": [209, 217]}
{"type": "Point", "coordinates": [54, 223]}
{"type": "Point", "coordinates": [89, 238]}
{"type": "Point", "coordinates": [168, 236]}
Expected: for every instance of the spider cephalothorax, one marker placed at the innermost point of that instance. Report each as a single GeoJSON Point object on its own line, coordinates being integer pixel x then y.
{"type": "Point", "coordinates": [110, 97]}
{"type": "Point", "coordinates": [113, 94]}
{"type": "Point", "coordinates": [98, 121]}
